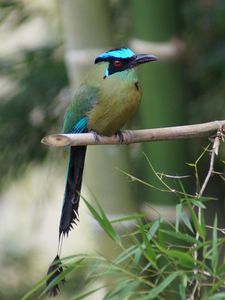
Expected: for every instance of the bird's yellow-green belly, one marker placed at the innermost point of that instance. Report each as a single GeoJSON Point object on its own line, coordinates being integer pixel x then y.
{"type": "Point", "coordinates": [114, 109]}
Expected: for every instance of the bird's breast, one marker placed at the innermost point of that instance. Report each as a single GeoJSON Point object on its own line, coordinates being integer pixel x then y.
{"type": "Point", "coordinates": [118, 100]}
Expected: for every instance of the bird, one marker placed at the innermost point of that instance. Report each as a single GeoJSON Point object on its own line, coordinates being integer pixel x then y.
{"type": "Point", "coordinates": [105, 100]}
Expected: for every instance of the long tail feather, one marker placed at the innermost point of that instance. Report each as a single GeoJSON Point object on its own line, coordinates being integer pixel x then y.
{"type": "Point", "coordinates": [69, 211]}
{"type": "Point", "coordinates": [69, 214]}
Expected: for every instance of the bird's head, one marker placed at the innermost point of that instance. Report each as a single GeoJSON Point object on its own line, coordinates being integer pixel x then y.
{"type": "Point", "coordinates": [120, 59]}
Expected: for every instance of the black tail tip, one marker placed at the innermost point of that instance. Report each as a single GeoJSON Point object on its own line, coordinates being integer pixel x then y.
{"type": "Point", "coordinates": [54, 270]}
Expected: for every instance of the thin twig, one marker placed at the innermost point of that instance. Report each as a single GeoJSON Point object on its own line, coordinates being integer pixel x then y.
{"type": "Point", "coordinates": [209, 174]}
{"type": "Point", "coordinates": [221, 230]}
{"type": "Point", "coordinates": [191, 297]}
{"type": "Point", "coordinates": [136, 136]}
{"type": "Point", "coordinates": [212, 160]}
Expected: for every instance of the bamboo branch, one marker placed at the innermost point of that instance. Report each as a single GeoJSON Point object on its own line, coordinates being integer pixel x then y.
{"type": "Point", "coordinates": [136, 136]}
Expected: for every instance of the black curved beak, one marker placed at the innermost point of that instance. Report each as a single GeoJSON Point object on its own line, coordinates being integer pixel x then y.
{"type": "Point", "coordinates": [142, 59]}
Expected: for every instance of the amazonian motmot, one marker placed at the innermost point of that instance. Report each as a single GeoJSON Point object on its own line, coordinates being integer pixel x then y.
{"type": "Point", "coordinates": [105, 100]}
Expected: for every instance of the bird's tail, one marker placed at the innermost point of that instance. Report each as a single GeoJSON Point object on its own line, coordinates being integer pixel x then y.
{"type": "Point", "coordinates": [69, 214]}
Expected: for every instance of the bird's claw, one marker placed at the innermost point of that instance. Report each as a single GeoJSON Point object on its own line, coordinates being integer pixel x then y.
{"type": "Point", "coordinates": [96, 136]}
{"type": "Point", "coordinates": [120, 136]}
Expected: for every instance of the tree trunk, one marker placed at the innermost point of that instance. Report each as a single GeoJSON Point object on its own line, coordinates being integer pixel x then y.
{"type": "Point", "coordinates": [163, 98]}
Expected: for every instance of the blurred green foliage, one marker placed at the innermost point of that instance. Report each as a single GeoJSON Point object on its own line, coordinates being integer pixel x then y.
{"type": "Point", "coordinates": [204, 34]}
{"type": "Point", "coordinates": [19, 9]}
{"type": "Point", "coordinates": [37, 77]}
{"type": "Point", "coordinates": [29, 113]}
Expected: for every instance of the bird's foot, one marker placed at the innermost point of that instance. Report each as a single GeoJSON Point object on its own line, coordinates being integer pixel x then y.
{"type": "Point", "coordinates": [120, 136]}
{"type": "Point", "coordinates": [96, 136]}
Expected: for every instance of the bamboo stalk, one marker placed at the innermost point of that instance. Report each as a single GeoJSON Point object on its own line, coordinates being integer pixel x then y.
{"type": "Point", "coordinates": [137, 136]}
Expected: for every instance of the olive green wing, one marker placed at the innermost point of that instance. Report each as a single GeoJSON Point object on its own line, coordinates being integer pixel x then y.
{"type": "Point", "coordinates": [76, 116]}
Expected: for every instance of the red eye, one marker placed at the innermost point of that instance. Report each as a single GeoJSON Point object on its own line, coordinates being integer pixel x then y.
{"type": "Point", "coordinates": [117, 63]}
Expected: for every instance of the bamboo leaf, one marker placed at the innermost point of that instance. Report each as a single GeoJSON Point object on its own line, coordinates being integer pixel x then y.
{"type": "Point", "coordinates": [153, 229]}
{"type": "Point", "coordinates": [103, 221]}
{"type": "Point", "coordinates": [183, 258]}
{"type": "Point", "coordinates": [181, 236]}
{"type": "Point", "coordinates": [186, 221]}
{"type": "Point", "coordinates": [146, 247]}
{"type": "Point", "coordinates": [133, 217]}
{"type": "Point", "coordinates": [198, 227]}
{"type": "Point", "coordinates": [85, 294]}
{"type": "Point", "coordinates": [162, 286]}
{"type": "Point", "coordinates": [123, 289]}
{"type": "Point", "coordinates": [218, 296]}
{"type": "Point", "coordinates": [34, 289]}
{"type": "Point", "coordinates": [198, 203]}
{"type": "Point", "coordinates": [178, 215]}
{"type": "Point", "coordinates": [126, 254]}
{"type": "Point", "coordinates": [214, 260]}
{"type": "Point", "coordinates": [42, 282]}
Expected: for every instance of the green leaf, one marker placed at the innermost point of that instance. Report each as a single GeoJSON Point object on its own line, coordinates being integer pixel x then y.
{"type": "Point", "coordinates": [182, 258]}
{"type": "Point", "coordinates": [58, 279]}
{"type": "Point", "coordinates": [198, 227]}
{"type": "Point", "coordinates": [103, 221]}
{"type": "Point", "coordinates": [190, 164]}
{"type": "Point", "coordinates": [221, 269]}
{"type": "Point", "coordinates": [122, 290]}
{"type": "Point", "coordinates": [182, 291]}
{"type": "Point", "coordinates": [34, 289]}
{"type": "Point", "coordinates": [218, 296]}
{"type": "Point", "coordinates": [183, 286]}
{"type": "Point", "coordinates": [146, 247]}
{"type": "Point", "coordinates": [154, 227]}
{"type": "Point", "coordinates": [214, 260]}
{"type": "Point", "coordinates": [178, 215]}
{"type": "Point", "coordinates": [85, 294]}
{"type": "Point", "coordinates": [162, 286]}
{"type": "Point", "coordinates": [126, 254]}
{"type": "Point", "coordinates": [133, 217]}
{"type": "Point", "coordinates": [198, 203]}
{"type": "Point", "coordinates": [181, 236]}
{"type": "Point", "coordinates": [186, 221]}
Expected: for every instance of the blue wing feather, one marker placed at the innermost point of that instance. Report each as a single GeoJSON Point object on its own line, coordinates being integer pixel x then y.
{"type": "Point", "coordinates": [80, 126]}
